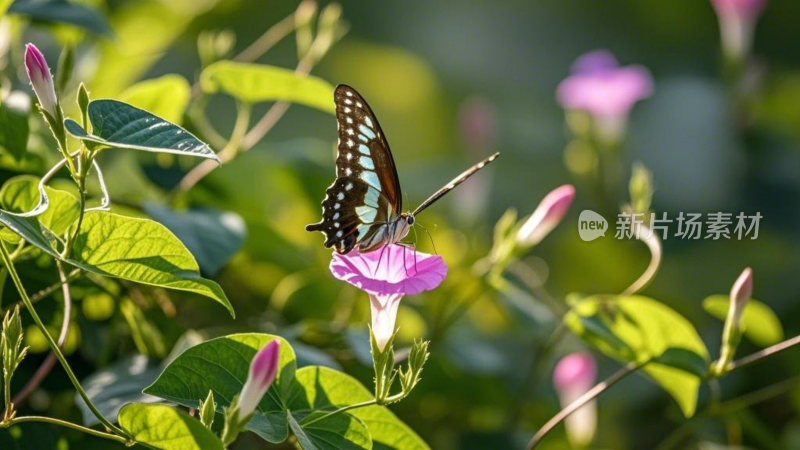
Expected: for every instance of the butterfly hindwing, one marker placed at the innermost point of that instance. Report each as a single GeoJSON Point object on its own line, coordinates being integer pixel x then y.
{"type": "Point", "coordinates": [366, 194]}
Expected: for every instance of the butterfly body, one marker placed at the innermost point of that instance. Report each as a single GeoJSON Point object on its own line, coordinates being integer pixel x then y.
{"type": "Point", "coordinates": [363, 206]}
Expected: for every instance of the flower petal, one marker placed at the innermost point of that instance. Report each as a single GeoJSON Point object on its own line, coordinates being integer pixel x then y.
{"type": "Point", "coordinates": [393, 269]}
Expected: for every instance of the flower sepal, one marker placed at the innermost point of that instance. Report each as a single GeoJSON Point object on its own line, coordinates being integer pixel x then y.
{"type": "Point", "coordinates": [383, 363]}
{"type": "Point", "coordinates": [417, 358]}
{"type": "Point", "coordinates": [207, 410]}
{"type": "Point", "coordinates": [234, 424]}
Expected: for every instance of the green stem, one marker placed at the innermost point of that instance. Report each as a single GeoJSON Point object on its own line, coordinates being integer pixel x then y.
{"type": "Point", "coordinates": [53, 344]}
{"type": "Point", "coordinates": [769, 351]}
{"type": "Point", "coordinates": [344, 409]}
{"type": "Point", "coordinates": [66, 424]}
{"type": "Point", "coordinates": [85, 163]}
{"type": "Point", "coordinates": [590, 395]}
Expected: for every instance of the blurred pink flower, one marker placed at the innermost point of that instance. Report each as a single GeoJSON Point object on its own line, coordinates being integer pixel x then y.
{"type": "Point", "coordinates": [41, 79]}
{"type": "Point", "coordinates": [263, 370]}
{"type": "Point", "coordinates": [737, 20]}
{"type": "Point", "coordinates": [548, 215]}
{"type": "Point", "coordinates": [477, 123]}
{"type": "Point", "coordinates": [573, 376]}
{"type": "Point", "coordinates": [599, 86]}
{"type": "Point", "coordinates": [387, 275]}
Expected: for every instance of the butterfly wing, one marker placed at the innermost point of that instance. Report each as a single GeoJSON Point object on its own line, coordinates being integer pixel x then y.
{"type": "Point", "coordinates": [365, 197]}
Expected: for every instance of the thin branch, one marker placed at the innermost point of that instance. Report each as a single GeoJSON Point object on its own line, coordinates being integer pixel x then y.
{"type": "Point", "coordinates": [654, 244]}
{"type": "Point", "coordinates": [43, 370]}
{"type": "Point", "coordinates": [769, 351]}
{"type": "Point", "coordinates": [74, 426]}
{"type": "Point", "coordinates": [590, 395]}
{"type": "Point", "coordinates": [72, 276]}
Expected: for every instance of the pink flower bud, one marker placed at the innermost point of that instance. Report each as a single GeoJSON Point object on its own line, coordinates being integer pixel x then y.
{"type": "Point", "coordinates": [737, 19]}
{"type": "Point", "coordinates": [41, 79]}
{"type": "Point", "coordinates": [573, 376]}
{"type": "Point", "coordinates": [741, 292]}
{"type": "Point", "coordinates": [547, 215]}
{"type": "Point", "coordinates": [263, 370]}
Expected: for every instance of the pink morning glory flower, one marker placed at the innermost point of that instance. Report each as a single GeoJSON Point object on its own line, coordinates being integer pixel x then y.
{"type": "Point", "coordinates": [263, 370]}
{"type": "Point", "coordinates": [737, 20]}
{"type": "Point", "coordinates": [548, 215]}
{"type": "Point", "coordinates": [387, 275]}
{"type": "Point", "coordinates": [41, 79]}
{"type": "Point", "coordinates": [573, 376]}
{"type": "Point", "coordinates": [599, 86]}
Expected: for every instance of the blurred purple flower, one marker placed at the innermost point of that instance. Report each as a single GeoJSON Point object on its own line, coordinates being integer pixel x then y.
{"type": "Point", "coordinates": [737, 20]}
{"type": "Point", "coordinates": [387, 275]}
{"type": "Point", "coordinates": [548, 215]}
{"type": "Point", "coordinates": [573, 376]}
{"type": "Point", "coordinates": [263, 370]}
{"type": "Point", "coordinates": [599, 86]}
{"type": "Point", "coordinates": [41, 79]}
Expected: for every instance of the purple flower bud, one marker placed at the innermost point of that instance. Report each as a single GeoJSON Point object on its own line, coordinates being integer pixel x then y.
{"type": "Point", "coordinates": [41, 79]}
{"type": "Point", "coordinates": [547, 215]}
{"type": "Point", "coordinates": [263, 370]}
{"type": "Point", "coordinates": [573, 376]}
{"type": "Point", "coordinates": [741, 292]}
{"type": "Point", "coordinates": [737, 19]}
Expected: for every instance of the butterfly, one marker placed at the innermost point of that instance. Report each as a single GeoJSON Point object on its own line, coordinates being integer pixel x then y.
{"type": "Point", "coordinates": [364, 204]}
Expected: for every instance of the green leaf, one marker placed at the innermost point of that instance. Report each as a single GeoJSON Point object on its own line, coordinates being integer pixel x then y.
{"type": "Point", "coordinates": [21, 194]}
{"type": "Point", "coordinates": [14, 130]}
{"type": "Point", "coordinates": [62, 11]}
{"type": "Point", "coordinates": [762, 326]}
{"type": "Point", "coordinates": [221, 365]}
{"type": "Point", "coordinates": [213, 236]}
{"type": "Point", "coordinates": [166, 428]}
{"type": "Point", "coordinates": [641, 329]}
{"type": "Point", "coordinates": [120, 125]}
{"type": "Point", "coordinates": [140, 250]}
{"type": "Point", "coordinates": [166, 96]}
{"type": "Point", "coordinates": [255, 83]}
{"type": "Point", "coordinates": [339, 432]}
{"type": "Point", "coordinates": [324, 389]}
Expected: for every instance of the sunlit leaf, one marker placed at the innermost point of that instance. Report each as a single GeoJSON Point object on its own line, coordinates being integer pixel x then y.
{"type": "Point", "coordinates": [255, 83]}
{"type": "Point", "coordinates": [213, 236]}
{"type": "Point", "coordinates": [165, 97]}
{"type": "Point", "coordinates": [166, 428]}
{"type": "Point", "coordinates": [761, 325]}
{"type": "Point", "coordinates": [325, 389]}
{"type": "Point", "coordinates": [62, 11]}
{"type": "Point", "coordinates": [221, 365]}
{"type": "Point", "coordinates": [140, 250]}
{"type": "Point", "coordinates": [120, 125]}
{"type": "Point", "coordinates": [14, 112]}
{"type": "Point", "coordinates": [642, 329]}
{"type": "Point", "coordinates": [339, 432]}
{"type": "Point", "coordinates": [21, 194]}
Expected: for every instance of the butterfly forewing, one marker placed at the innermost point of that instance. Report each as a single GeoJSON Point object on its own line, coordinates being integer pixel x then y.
{"type": "Point", "coordinates": [366, 193]}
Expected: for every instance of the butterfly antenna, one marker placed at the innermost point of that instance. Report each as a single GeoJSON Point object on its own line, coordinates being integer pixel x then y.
{"type": "Point", "coordinates": [433, 244]}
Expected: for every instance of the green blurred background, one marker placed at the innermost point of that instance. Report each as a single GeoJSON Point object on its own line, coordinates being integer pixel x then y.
{"type": "Point", "coordinates": [420, 65]}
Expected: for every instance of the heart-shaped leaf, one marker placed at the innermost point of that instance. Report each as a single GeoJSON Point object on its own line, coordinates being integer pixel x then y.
{"type": "Point", "coordinates": [255, 83]}
{"type": "Point", "coordinates": [641, 329]}
{"type": "Point", "coordinates": [120, 125]}
{"type": "Point", "coordinates": [322, 389]}
{"type": "Point", "coordinates": [221, 365]}
{"type": "Point", "coordinates": [166, 428]}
